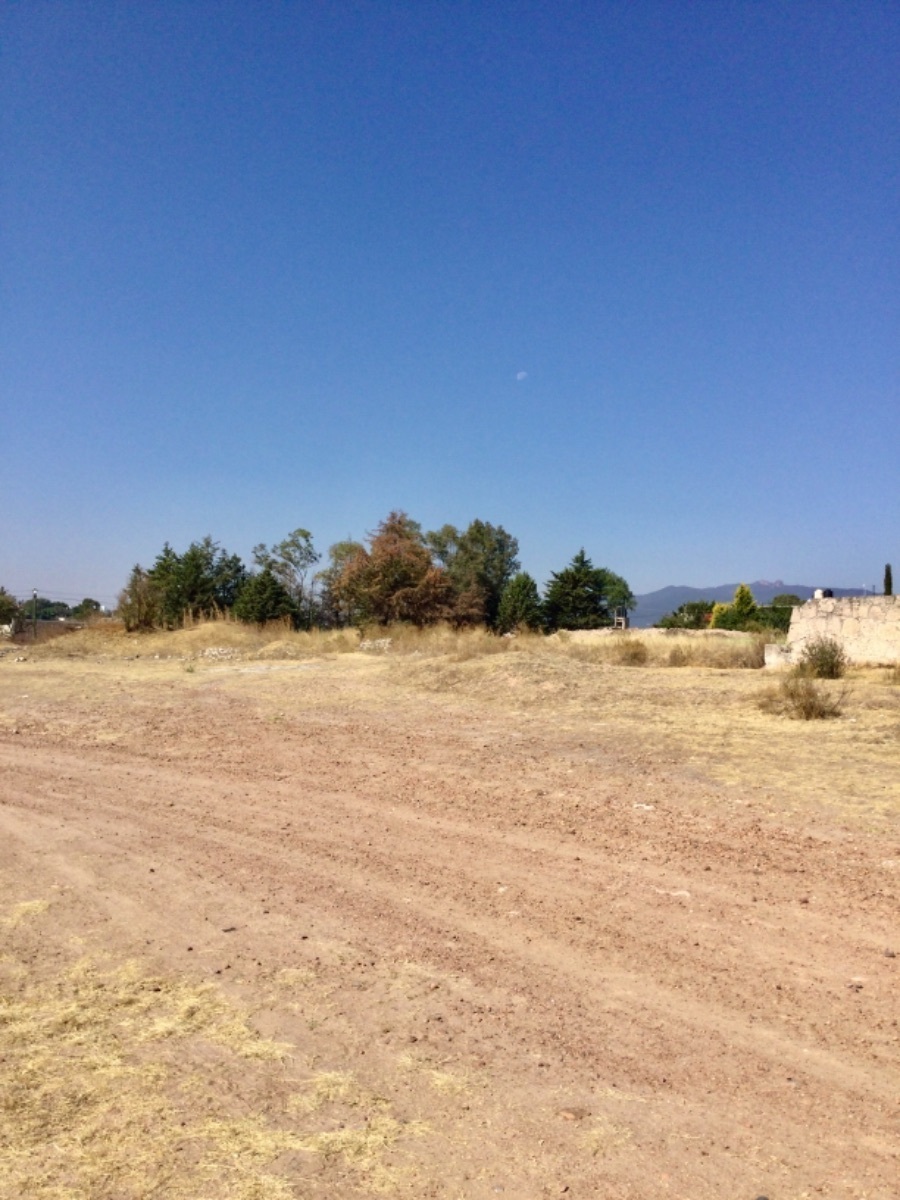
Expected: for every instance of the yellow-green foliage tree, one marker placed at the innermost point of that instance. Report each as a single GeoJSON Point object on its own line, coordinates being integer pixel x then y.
{"type": "Point", "coordinates": [741, 613]}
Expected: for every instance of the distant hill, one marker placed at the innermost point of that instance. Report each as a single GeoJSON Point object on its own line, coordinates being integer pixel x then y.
{"type": "Point", "coordinates": [653, 605]}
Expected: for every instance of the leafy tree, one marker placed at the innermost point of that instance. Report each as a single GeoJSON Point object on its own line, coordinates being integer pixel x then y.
{"type": "Point", "coordinates": [290, 562]}
{"type": "Point", "coordinates": [744, 604]}
{"type": "Point", "coordinates": [520, 605]}
{"type": "Point", "coordinates": [45, 610]}
{"type": "Point", "coordinates": [202, 581]}
{"type": "Point", "coordinates": [482, 563]}
{"type": "Point", "coordinates": [777, 615]}
{"type": "Point", "coordinates": [693, 614]}
{"type": "Point", "coordinates": [719, 616]}
{"type": "Point", "coordinates": [741, 614]}
{"type": "Point", "coordinates": [443, 544]}
{"type": "Point", "coordinates": [335, 609]}
{"type": "Point", "coordinates": [395, 579]}
{"type": "Point", "coordinates": [888, 580]}
{"type": "Point", "coordinates": [139, 601]}
{"type": "Point", "coordinates": [9, 607]}
{"type": "Point", "coordinates": [584, 596]}
{"type": "Point", "coordinates": [264, 598]}
{"type": "Point", "coordinates": [87, 608]}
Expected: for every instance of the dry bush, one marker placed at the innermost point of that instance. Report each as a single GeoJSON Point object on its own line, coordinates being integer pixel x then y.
{"type": "Point", "coordinates": [679, 656]}
{"type": "Point", "coordinates": [823, 657]}
{"type": "Point", "coordinates": [799, 697]}
{"type": "Point", "coordinates": [631, 653]}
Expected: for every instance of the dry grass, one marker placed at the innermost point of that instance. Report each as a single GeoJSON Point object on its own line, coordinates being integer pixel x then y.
{"type": "Point", "coordinates": [703, 713]}
{"type": "Point", "coordinates": [116, 1082]}
{"type": "Point", "coordinates": [213, 640]}
{"type": "Point", "coordinates": [798, 697]}
{"type": "Point", "coordinates": [223, 639]}
{"type": "Point", "coordinates": [717, 649]}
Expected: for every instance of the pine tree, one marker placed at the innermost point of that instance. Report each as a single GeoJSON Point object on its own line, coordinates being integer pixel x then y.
{"type": "Point", "coordinates": [264, 598]}
{"type": "Point", "coordinates": [888, 580]}
{"type": "Point", "coordinates": [584, 596]}
{"type": "Point", "coordinates": [520, 605]}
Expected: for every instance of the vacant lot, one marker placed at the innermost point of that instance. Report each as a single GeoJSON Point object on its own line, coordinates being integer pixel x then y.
{"type": "Point", "coordinates": [440, 923]}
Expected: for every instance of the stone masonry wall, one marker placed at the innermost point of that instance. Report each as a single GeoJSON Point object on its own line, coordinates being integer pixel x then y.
{"type": "Point", "coordinates": [868, 627]}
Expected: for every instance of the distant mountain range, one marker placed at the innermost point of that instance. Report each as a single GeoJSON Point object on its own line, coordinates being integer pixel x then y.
{"type": "Point", "coordinates": [653, 605]}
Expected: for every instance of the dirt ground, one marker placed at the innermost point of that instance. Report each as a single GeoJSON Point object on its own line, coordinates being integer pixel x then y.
{"type": "Point", "coordinates": [517, 926]}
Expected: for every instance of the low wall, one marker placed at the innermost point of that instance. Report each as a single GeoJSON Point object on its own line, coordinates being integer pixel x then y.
{"type": "Point", "coordinates": [868, 627]}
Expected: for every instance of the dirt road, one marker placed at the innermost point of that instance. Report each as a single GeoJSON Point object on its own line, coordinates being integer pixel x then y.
{"type": "Point", "coordinates": [472, 947]}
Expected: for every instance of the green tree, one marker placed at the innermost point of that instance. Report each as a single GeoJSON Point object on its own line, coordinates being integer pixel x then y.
{"type": "Point", "coordinates": [583, 596]}
{"type": "Point", "coordinates": [87, 608]}
{"type": "Point", "coordinates": [139, 601]}
{"type": "Point", "coordinates": [264, 598]}
{"type": "Point", "coordinates": [693, 614]}
{"type": "Point", "coordinates": [443, 544]}
{"type": "Point", "coordinates": [744, 604]}
{"type": "Point", "coordinates": [777, 615]}
{"type": "Point", "coordinates": [888, 580]}
{"type": "Point", "coordinates": [520, 605]}
{"type": "Point", "coordinates": [202, 581]}
{"type": "Point", "coordinates": [335, 608]}
{"type": "Point", "coordinates": [9, 607]}
{"type": "Point", "coordinates": [483, 563]}
{"type": "Point", "coordinates": [46, 610]}
{"type": "Point", "coordinates": [395, 578]}
{"type": "Point", "coordinates": [741, 614]}
{"type": "Point", "coordinates": [290, 561]}
{"type": "Point", "coordinates": [165, 582]}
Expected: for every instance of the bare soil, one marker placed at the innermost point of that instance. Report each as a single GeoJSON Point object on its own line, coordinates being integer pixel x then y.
{"type": "Point", "coordinates": [515, 926]}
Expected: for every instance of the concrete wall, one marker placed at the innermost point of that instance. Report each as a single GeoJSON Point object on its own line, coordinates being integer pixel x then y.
{"type": "Point", "coordinates": [868, 627]}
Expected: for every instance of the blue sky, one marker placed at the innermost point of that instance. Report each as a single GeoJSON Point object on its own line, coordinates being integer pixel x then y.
{"type": "Point", "coordinates": [614, 275]}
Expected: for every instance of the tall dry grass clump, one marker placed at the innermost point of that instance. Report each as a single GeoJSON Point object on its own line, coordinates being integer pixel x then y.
{"type": "Point", "coordinates": [665, 648]}
{"type": "Point", "coordinates": [443, 640]}
{"type": "Point", "coordinates": [219, 637]}
{"type": "Point", "coordinates": [799, 697]}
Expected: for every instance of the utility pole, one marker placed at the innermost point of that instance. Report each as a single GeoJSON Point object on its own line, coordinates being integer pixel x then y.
{"type": "Point", "coordinates": [34, 615]}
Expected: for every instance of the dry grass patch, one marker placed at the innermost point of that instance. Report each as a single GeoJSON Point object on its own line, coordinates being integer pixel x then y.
{"type": "Point", "coordinates": [718, 649]}
{"type": "Point", "coordinates": [799, 697]}
{"type": "Point", "coordinates": [213, 640]}
{"type": "Point", "coordinates": [116, 1082]}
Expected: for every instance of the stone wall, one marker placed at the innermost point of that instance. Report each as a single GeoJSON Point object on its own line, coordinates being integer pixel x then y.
{"type": "Point", "coordinates": [868, 627]}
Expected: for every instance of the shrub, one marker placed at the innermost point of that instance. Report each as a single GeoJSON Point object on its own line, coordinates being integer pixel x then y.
{"type": "Point", "coordinates": [823, 657]}
{"type": "Point", "coordinates": [679, 657]}
{"type": "Point", "coordinates": [632, 653]}
{"type": "Point", "coordinates": [799, 698]}
{"type": "Point", "coordinates": [694, 614]}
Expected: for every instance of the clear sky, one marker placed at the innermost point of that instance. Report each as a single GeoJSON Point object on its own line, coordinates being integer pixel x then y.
{"type": "Point", "coordinates": [614, 275]}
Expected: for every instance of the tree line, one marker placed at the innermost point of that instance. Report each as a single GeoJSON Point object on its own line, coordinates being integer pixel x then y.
{"type": "Point", "coordinates": [401, 573]}
{"type": "Point", "coordinates": [39, 608]}
{"type": "Point", "coordinates": [743, 613]}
